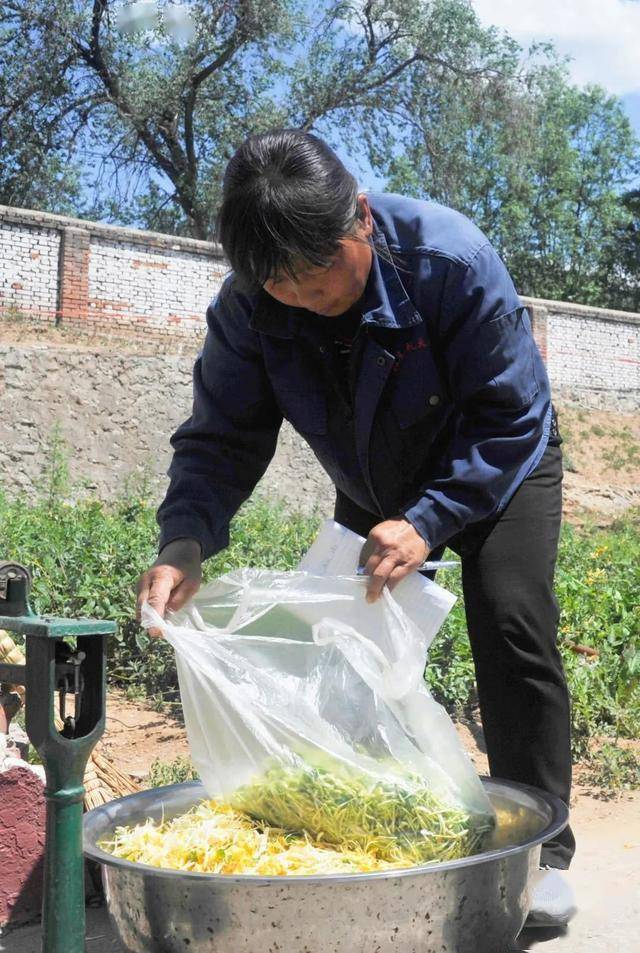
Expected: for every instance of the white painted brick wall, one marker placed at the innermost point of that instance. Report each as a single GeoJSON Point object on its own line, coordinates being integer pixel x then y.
{"type": "Point", "coordinates": [591, 353]}
{"type": "Point", "coordinates": [157, 284]}
{"type": "Point", "coordinates": [144, 282]}
{"type": "Point", "coordinates": [29, 270]}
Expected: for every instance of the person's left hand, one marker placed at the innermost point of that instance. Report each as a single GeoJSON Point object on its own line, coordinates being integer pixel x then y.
{"type": "Point", "coordinates": [396, 550]}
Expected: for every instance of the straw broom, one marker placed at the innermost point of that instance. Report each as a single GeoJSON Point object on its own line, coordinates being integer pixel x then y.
{"type": "Point", "coordinates": [11, 654]}
{"type": "Point", "coordinates": [103, 781]}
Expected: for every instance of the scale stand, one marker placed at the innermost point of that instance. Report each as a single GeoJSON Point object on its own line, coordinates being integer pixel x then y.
{"type": "Point", "coordinates": [68, 657]}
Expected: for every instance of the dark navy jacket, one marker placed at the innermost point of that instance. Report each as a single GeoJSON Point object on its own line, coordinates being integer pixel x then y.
{"type": "Point", "coordinates": [449, 408]}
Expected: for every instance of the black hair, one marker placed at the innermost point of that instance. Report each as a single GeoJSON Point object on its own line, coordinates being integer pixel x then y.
{"type": "Point", "coordinates": [287, 199]}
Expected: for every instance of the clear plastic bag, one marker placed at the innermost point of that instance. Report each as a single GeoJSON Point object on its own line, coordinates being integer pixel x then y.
{"type": "Point", "coordinates": [306, 708]}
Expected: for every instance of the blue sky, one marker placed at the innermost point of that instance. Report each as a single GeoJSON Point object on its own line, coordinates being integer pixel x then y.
{"type": "Point", "coordinates": [632, 104]}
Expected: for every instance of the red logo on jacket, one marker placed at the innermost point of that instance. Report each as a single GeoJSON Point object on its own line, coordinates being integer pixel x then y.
{"type": "Point", "coordinates": [410, 346]}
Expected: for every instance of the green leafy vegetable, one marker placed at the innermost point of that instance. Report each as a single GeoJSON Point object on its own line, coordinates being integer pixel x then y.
{"type": "Point", "coordinates": [389, 819]}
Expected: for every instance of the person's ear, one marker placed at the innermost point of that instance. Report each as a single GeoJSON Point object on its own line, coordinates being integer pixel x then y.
{"type": "Point", "coordinates": [365, 218]}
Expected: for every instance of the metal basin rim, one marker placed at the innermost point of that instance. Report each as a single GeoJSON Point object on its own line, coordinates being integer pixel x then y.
{"type": "Point", "coordinates": [544, 800]}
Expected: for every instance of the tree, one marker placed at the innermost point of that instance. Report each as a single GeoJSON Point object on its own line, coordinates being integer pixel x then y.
{"type": "Point", "coordinates": [539, 164]}
{"type": "Point", "coordinates": [622, 257]}
{"type": "Point", "coordinates": [138, 129]}
{"type": "Point", "coordinates": [165, 119]}
{"type": "Point", "coordinates": [37, 168]}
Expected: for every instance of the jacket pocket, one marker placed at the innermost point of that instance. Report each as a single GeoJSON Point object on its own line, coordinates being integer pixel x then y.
{"type": "Point", "coordinates": [502, 367]}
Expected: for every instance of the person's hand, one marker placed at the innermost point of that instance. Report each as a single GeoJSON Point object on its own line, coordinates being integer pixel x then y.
{"type": "Point", "coordinates": [172, 580]}
{"type": "Point", "coordinates": [394, 549]}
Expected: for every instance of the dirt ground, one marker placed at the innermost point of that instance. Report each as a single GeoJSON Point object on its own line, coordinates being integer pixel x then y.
{"type": "Point", "coordinates": [136, 736]}
{"type": "Point", "coordinates": [605, 873]}
{"type": "Point", "coordinates": [601, 461]}
{"type": "Point", "coordinates": [24, 334]}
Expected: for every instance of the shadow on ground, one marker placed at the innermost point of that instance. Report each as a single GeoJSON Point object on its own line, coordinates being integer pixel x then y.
{"type": "Point", "coordinates": [101, 937]}
{"type": "Point", "coordinates": [530, 939]}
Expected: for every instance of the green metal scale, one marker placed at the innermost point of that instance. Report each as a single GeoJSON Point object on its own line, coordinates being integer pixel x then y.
{"type": "Point", "coordinates": [74, 668]}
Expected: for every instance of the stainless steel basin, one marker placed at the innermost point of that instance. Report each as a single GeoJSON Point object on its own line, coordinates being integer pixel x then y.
{"type": "Point", "coordinates": [475, 905]}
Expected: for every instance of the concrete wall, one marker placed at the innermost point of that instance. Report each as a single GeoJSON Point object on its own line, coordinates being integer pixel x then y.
{"type": "Point", "coordinates": [116, 413]}
{"type": "Point", "coordinates": [117, 410]}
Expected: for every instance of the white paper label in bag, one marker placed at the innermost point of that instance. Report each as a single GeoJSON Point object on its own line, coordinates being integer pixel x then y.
{"type": "Point", "coordinates": [336, 552]}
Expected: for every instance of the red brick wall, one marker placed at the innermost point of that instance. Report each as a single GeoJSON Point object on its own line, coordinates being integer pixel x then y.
{"type": "Point", "coordinates": [22, 836]}
{"type": "Point", "coordinates": [73, 275]}
{"type": "Point", "coordinates": [105, 279]}
{"type": "Point", "coordinates": [121, 281]}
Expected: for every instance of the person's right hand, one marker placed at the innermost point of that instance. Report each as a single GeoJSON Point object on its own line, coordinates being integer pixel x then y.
{"type": "Point", "coordinates": [172, 580]}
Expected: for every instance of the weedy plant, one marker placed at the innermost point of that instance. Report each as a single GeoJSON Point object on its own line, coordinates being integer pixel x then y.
{"type": "Point", "coordinates": [597, 581]}
{"type": "Point", "coordinates": [86, 557]}
{"type": "Point", "coordinates": [178, 771]}
{"type": "Point", "coordinates": [614, 768]}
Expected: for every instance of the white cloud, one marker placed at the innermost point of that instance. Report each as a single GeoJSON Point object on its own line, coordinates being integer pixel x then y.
{"type": "Point", "coordinates": [602, 36]}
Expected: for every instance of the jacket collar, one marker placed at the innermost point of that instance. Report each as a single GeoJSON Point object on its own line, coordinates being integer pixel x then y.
{"type": "Point", "coordinates": [385, 302]}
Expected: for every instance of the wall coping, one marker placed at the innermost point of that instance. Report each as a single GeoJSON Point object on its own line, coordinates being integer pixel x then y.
{"type": "Point", "coordinates": [589, 311]}
{"type": "Point", "coordinates": [33, 218]}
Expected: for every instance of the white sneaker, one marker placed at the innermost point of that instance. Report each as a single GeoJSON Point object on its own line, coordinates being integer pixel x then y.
{"type": "Point", "coordinates": [553, 901]}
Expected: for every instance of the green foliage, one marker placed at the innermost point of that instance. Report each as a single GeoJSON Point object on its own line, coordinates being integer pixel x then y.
{"type": "Point", "coordinates": [597, 586]}
{"type": "Point", "coordinates": [625, 452]}
{"type": "Point", "coordinates": [441, 106]}
{"type": "Point", "coordinates": [623, 254]}
{"type": "Point", "coordinates": [597, 581]}
{"type": "Point", "coordinates": [542, 166]}
{"type": "Point", "coordinates": [450, 674]}
{"type": "Point", "coordinates": [86, 557]}
{"type": "Point", "coordinates": [149, 121]}
{"type": "Point", "coordinates": [614, 768]}
{"type": "Point", "coordinates": [171, 772]}
{"type": "Point", "coordinates": [38, 168]}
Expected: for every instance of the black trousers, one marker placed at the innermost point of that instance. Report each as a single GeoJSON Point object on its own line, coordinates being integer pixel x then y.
{"type": "Point", "coordinates": [512, 614]}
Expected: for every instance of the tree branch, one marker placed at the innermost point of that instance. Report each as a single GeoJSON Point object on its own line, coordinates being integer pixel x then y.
{"type": "Point", "coordinates": [237, 40]}
{"type": "Point", "coordinates": [232, 47]}
{"type": "Point", "coordinates": [94, 58]}
{"type": "Point", "coordinates": [341, 99]}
